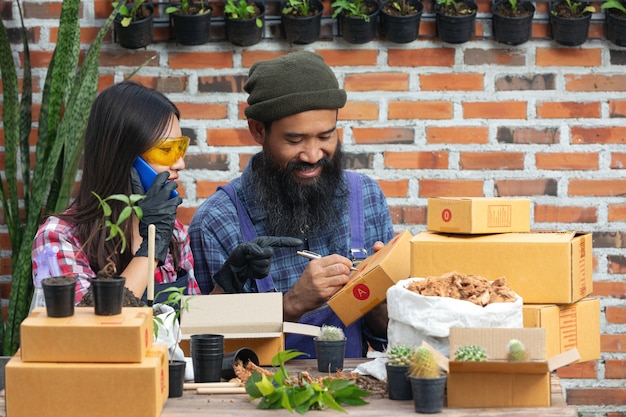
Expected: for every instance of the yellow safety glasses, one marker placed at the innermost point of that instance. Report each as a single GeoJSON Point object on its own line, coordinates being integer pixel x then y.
{"type": "Point", "coordinates": [167, 152]}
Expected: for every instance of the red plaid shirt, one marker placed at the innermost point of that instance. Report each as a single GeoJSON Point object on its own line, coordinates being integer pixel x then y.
{"type": "Point", "coordinates": [72, 261]}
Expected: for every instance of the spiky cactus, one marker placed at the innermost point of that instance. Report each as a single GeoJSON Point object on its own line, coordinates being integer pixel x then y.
{"type": "Point", "coordinates": [399, 355]}
{"type": "Point", "coordinates": [329, 332]}
{"type": "Point", "coordinates": [517, 351]}
{"type": "Point", "coordinates": [423, 364]}
{"type": "Point", "coordinates": [470, 353]}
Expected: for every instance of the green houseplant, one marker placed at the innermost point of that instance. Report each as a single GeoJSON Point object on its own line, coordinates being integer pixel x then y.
{"type": "Point", "coordinates": [358, 19]}
{"type": "Point", "coordinates": [569, 21]}
{"type": "Point", "coordinates": [244, 22]}
{"type": "Point", "coordinates": [301, 20]}
{"type": "Point", "coordinates": [512, 21]}
{"type": "Point", "coordinates": [68, 90]}
{"type": "Point", "coordinates": [428, 383]}
{"type": "Point", "coordinates": [330, 347]}
{"type": "Point", "coordinates": [192, 21]}
{"type": "Point", "coordinates": [133, 26]}
{"type": "Point", "coordinates": [400, 20]}
{"type": "Point", "coordinates": [455, 20]}
{"type": "Point", "coordinates": [615, 15]}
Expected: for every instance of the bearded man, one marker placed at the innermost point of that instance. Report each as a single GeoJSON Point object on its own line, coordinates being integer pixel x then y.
{"type": "Point", "coordinates": [294, 195]}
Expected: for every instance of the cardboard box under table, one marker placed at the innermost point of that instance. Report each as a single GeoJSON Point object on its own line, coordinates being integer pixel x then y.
{"type": "Point", "coordinates": [543, 268]}
{"type": "Point", "coordinates": [568, 326]}
{"type": "Point", "coordinates": [86, 337]}
{"type": "Point", "coordinates": [247, 320]}
{"type": "Point", "coordinates": [88, 389]}
{"type": "Point", "coordinates": [478, 215]}
{"type": "Point", "coordinates": [497, 382]}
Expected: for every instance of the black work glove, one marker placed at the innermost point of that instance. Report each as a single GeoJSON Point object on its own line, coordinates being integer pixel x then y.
{"type": "Point", "coordinates": [250, 261]}
{"type": "Point", "coordinates": [158, 209]}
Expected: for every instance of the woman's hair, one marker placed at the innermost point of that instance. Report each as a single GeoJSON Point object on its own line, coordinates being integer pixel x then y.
{"type": "Point", "coordinates": [126, 119]}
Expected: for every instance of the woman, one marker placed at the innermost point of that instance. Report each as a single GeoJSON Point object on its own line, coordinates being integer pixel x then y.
{"type": "Point", "coordinates": [126, 121]}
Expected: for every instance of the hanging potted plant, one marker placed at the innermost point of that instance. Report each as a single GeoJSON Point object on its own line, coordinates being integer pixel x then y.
{"type": "Point", "coordinates": [428, 382]}
{"type": "Point", "coordinates": [569, 21]}
{"type": "Point", "coordinates": [133, 26]}
{"type": "Point", "coordinates": [513, 21]}
{"type": "Point", "coordinates": [357, 19]}
{"type": "Point", "coordinates": [191, 22]}
{"type": "Point", "coordinates": [615, 12]}
{"type": "Point", "coordinates": [244, 22]}
{"type": "Point", "coordinates": [330, 348]}
{"type": "Point", "coordinates": [301, 20]}
{"type": "Point", "coordinates": [455, 20]}
{"type": "Point", "coordinates": [397, 366]}
{"type": "Point", "coordinates": [400, 20]}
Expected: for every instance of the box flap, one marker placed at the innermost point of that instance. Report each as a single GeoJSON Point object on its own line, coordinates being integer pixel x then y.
{"type": "Point", "coordinates": [491, 367]}
{"type": "Point", "coordinates": [536, 237]}
{"type": "Point", "coordinates": [563, 359]}
{"type": "Point", "coordinates": [300, 328]}
{"type": "Point", "coordinates": [495, 341]}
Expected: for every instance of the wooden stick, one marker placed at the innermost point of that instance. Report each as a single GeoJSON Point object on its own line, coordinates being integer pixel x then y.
{"type": "Point", "coordinates": [196, 385]}
{"type": "Point", "coordinates": [233, 390]}
{"type": "Point", "coordinates": [150, 290]}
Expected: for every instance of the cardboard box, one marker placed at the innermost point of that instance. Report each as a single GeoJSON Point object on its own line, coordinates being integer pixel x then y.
{"type": "Point", "coordinates": [497, 382]}
{"type": "Point", "coordinates": [85, 337]}
{"type": "Point", "coordinates": [374, 275]}
{"type": "Point", "coordinates": [543, 268]}
{"type": "Point", "coordinates": [88, 389]}
{"type": "Point", "coordinates": [254, 321]}
{"type": "Point", "coordinates": [478, 215]}
{"type": "Point", "coordinates": [568, 326]}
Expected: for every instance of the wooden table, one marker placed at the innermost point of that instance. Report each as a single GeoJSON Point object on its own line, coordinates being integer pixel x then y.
{"type": "Point", "coordinates": [239, 405]}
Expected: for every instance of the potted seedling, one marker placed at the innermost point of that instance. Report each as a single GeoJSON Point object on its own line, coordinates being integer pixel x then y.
{"type": "Point", "coordinates": [192, 21]}
{"type": "Point", "coordinates": [357, 19]}
{"type": "Point", "coordinates": [569, 21]}
{"type": "Point", "coordinates": [398, 360]}
{"type": "Point", "coordinates": [133, 24]}
{"type": "Point", "coordinates": [400, 20]}
{"type": "Point", "coordinates": [428, 382]}
{"type": "Point", "coordinates": [512, 21]}
{"type": "Point", "coordinates": [455, 20]}
{"type": "Point", "coordinates": [244, 22]}
{"type": "Point", "coordinates": [615, 12]}
{"type": "Point", "coordinates": [301, 20]}
{"type": "Point", "coordinates": [330, 348]}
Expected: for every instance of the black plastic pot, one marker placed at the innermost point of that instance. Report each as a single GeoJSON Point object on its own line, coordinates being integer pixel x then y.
{"type": "Point", "coordinates": [513, 30]}
{"type": "Point", "coordinates": [330, 354]}
{"type": "Point", "coordinates": [428, 394]}
{"type": "Point", "coordinates": [398, 383]}
{"type": "Point", "coordinates": [356, 30]}
{"type": "Point", "coordinates": [108, 295]}
{"type": "Point", "coordinates": [303, 29]}
{"type": "Point", "coordinates": [401, 29]}
{"type": "Point", "coordinates": [245, 32]}
{"type": "Point", "coordinates": [176, 378]}
{"type": "Point", "coordinates": [244, 355]}
{"type": "Point", "coordinates": [615, 29]}
{"type": "Point", "coordinates": [136, 35]}
{"type": "Point", "coordinates": [455, 29]}
{"type": "Point", "coordinates": [60, 295]}
{"type": "Point", "coordinates": [192, 29]}
{"type": "Point", "coordinates": [570, 31]}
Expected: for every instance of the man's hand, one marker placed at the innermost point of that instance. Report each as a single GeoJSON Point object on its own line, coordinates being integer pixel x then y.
{"type": "Point", "coordinates": [250, 260]}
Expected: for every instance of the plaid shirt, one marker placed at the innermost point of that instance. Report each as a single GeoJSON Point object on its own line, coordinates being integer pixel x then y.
{"type": "Point", "coordinates": [58, 233]}
{"type": "Point", "coordinates": [215, 232]}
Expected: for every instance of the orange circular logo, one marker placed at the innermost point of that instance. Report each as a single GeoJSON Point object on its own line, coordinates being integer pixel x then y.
{"type": "Point", "coordinates": [361, 292]}
{"type": "Point", "coordinates": [446, 215]}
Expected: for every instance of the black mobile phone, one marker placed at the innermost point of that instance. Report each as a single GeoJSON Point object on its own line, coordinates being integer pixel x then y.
{"type": "Point", "coordinates": [147, 175]}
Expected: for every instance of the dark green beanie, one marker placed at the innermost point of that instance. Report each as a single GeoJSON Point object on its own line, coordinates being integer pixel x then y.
{"type": "Point", "coordinates": [294, 83]}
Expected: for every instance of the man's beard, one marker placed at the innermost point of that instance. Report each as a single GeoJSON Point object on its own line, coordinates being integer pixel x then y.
{"type": "Point", "coordinates": [296, 208]}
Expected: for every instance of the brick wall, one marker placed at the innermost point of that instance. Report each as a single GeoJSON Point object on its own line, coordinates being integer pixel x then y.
{"type": "Point", "coordinates": [424, 119]}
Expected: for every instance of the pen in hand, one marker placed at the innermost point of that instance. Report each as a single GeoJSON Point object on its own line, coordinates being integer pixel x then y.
{"type": "Point", "coordinates": [312, 255]}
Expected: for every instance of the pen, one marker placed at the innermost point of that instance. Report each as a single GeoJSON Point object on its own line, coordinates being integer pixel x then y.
{"type": "Point", "coordinates": [312, 255]}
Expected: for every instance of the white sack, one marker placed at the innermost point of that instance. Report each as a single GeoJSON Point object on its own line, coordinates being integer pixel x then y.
{"type": "Point", "coordinates": [414, 318]}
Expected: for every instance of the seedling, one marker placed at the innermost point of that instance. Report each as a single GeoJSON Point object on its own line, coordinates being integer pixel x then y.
{"type": "Point", "coordinates": [241, 10]}
{"type": "Point", "coordinates": [348, 8]}
{"type": "Point", "coordinates": [129, 15]}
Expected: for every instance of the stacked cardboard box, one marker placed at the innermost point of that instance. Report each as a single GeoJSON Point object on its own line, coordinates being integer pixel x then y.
{"type": "Point", "coordinates": [87, 365]}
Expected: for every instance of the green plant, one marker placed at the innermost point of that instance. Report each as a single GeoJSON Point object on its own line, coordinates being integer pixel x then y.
{"type": "Point", "coordinates": [331, 333]}
{"type": "Point", "coordinates": [453, 7]}
{"type": "Point", "coordinates": [402, 7]}
{"type": "Point", "coordinates": [297, 7]}
{"type": "Point", "coordinates": [241, 10]}
{"type": "Point", "coordinates": [187, 7]}
{"type": "Point", "coordinates": [423, 364]}
{"type": "Point", "coordinates": [68, 90]}
{"type": "Point", "coordinates": [470, 353]}
{"type": "Point", "coordinates": [575, 8]}
{"type": "Point", "coordinates": [513, 4]}
{"type": "Point", "coordinates": [301, 393]}
{"type": "Point", "coordinates": [613, 4]}
{"type": "Point", "coordinates": [129, 15]}
{"type": "Point", "coordinates": [516, 351]}
{"type": "Point", "coordinates": [356, 8]}
{"type": "Point", "coordinates": [115, 228]}
{"type": "Point", "coordinates": [400, 355]}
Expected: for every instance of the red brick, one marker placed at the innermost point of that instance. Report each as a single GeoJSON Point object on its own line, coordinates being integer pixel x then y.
{"type": "Point", "coordinates": [568, 57]}
{"type": "Point", "coordinates": [438, 110]}
{"type": "Point", "coordinates": [617, 212]}
{"type": "Point", "coordinates": [452, 82]}
{"type": "Point", "coordinates": [618, 160]}
{"type": "Point", "coordinates": [565, 214]}
{"type": "Point", "coordinates": [359, 110]}
{"type": "Point", "coordinates": [615, 369]}
{"type": "Point", "coordinates": [200, 60]}
{"type": "Point", "coordinates": [375, 81]}
{"type": "Point", "coordinates": [613, 343]}
{"type": "Point", "coordinates": [567, 161]}
{"type": "Point", "coordinates": [397, 188]}
{"type": "Point", "coordinates": [617, 108]}
{"type": "Point", "coordinates": [491, 160]}
{"type": "Point", "coordinates": [383, 135]}
{"type": "Point", "coordinates": [426, 57]}
{"type": "Point", "coordinates": [509, 56]}
{"type": "Point", "coordinates": [595, 82]}
{"type": "Point", "coordinates": [525, 187]}
{"type": "Point", "coordinates": [457, 134]}
{"type": "Point", "coordinates": [349, 57]}
{"type": "Point", "coordinates": [205, 188]}
{"type": "Point", "coordinates": [50, 10]}
{"type": "Point", "coordinates": [229, 137]}
{"type": "Point", "coordinates": [408, 214]}
{"type": "Point", "coordinates": [416, 160]}
{"type": "Point", "coordinates": [583, 187]}
{"type": "Point", "coordinates": [120, 58]}
{"type": "Point", "coordinates": [248, 58]}
{"type": "Point", "coordinates": [579, 370]}
{"type": "Point", "coordinates": [525, 135]}
{"type": "Point", "coordinates": [613, 134]}
{"type": "Point", "coordinates": [567, 109]}
{"type": "Point", "coordinates": [609, 289]}
{"type": "Point", "coordinates": [615, 315]}
{"type": "Point", "coordinates": [202, 111]}
{"type": "Point", "coordinates": [495, 110]}
{"type": "Point", "coordinates": [450, 188]}
{"type": "Point", "coordinates": [596, 396]}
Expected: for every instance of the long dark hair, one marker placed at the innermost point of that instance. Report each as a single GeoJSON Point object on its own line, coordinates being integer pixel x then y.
{"type": "Point", "coordinates": [126, 119]}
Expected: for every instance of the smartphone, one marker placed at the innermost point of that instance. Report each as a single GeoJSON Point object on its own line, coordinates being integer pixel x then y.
{"type": "Point", "coordinates": [147, 175]}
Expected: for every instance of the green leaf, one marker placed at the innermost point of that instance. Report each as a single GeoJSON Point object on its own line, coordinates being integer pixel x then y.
{"type": "Point", "coordinates": [251, 389]}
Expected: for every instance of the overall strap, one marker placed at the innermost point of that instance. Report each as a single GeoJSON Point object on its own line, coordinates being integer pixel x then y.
{"type": "Point", "coordinates": [357, 217]}
{"type": "Point", "coordinates": [265, 284]}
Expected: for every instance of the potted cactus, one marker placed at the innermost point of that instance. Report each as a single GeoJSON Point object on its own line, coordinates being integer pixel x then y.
{"type": "Point", "coordinates": [470, 353]}
{"type": "Point", "coordinates": [428, 382]}
{"type": "Point", "coordinates": [397, 366]}
{"type": "Point", "coordinates": [330, 348]}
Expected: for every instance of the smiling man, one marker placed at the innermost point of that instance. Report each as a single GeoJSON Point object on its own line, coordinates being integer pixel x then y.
{"type": "Point", "coordinates": [294, 195]}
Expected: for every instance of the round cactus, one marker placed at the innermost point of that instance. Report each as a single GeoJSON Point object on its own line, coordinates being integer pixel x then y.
{"type": "Point", "coordinates": [329, 332]}
{"type": "Point", "coordinates": [470, 353]}
{"type": "Point", "coordinates": [423, 364]}
{"type": "Point", "coordinates": [399, 355]}
{"type": "Point", "coordinates": [517, 351]}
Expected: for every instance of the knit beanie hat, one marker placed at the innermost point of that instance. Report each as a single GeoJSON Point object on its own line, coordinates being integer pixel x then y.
{"type": "Point", "coordinates": [294, 83]}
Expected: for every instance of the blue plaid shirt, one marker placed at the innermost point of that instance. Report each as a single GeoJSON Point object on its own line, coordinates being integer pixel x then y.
{"type": "Point", "coordinates": [215, 232]}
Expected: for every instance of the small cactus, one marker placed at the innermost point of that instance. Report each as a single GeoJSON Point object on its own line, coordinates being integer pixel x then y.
{"type": "Point", "coordinates": [423, 364]}
{"type": "Point", "coordinates": [470, 353]}
{"type": "Point", "coordinates": [517, 351]}
{"type": "Point", "coordinates": [329, 332]}
{"type": "Point", "coordinates": [399, 355]}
